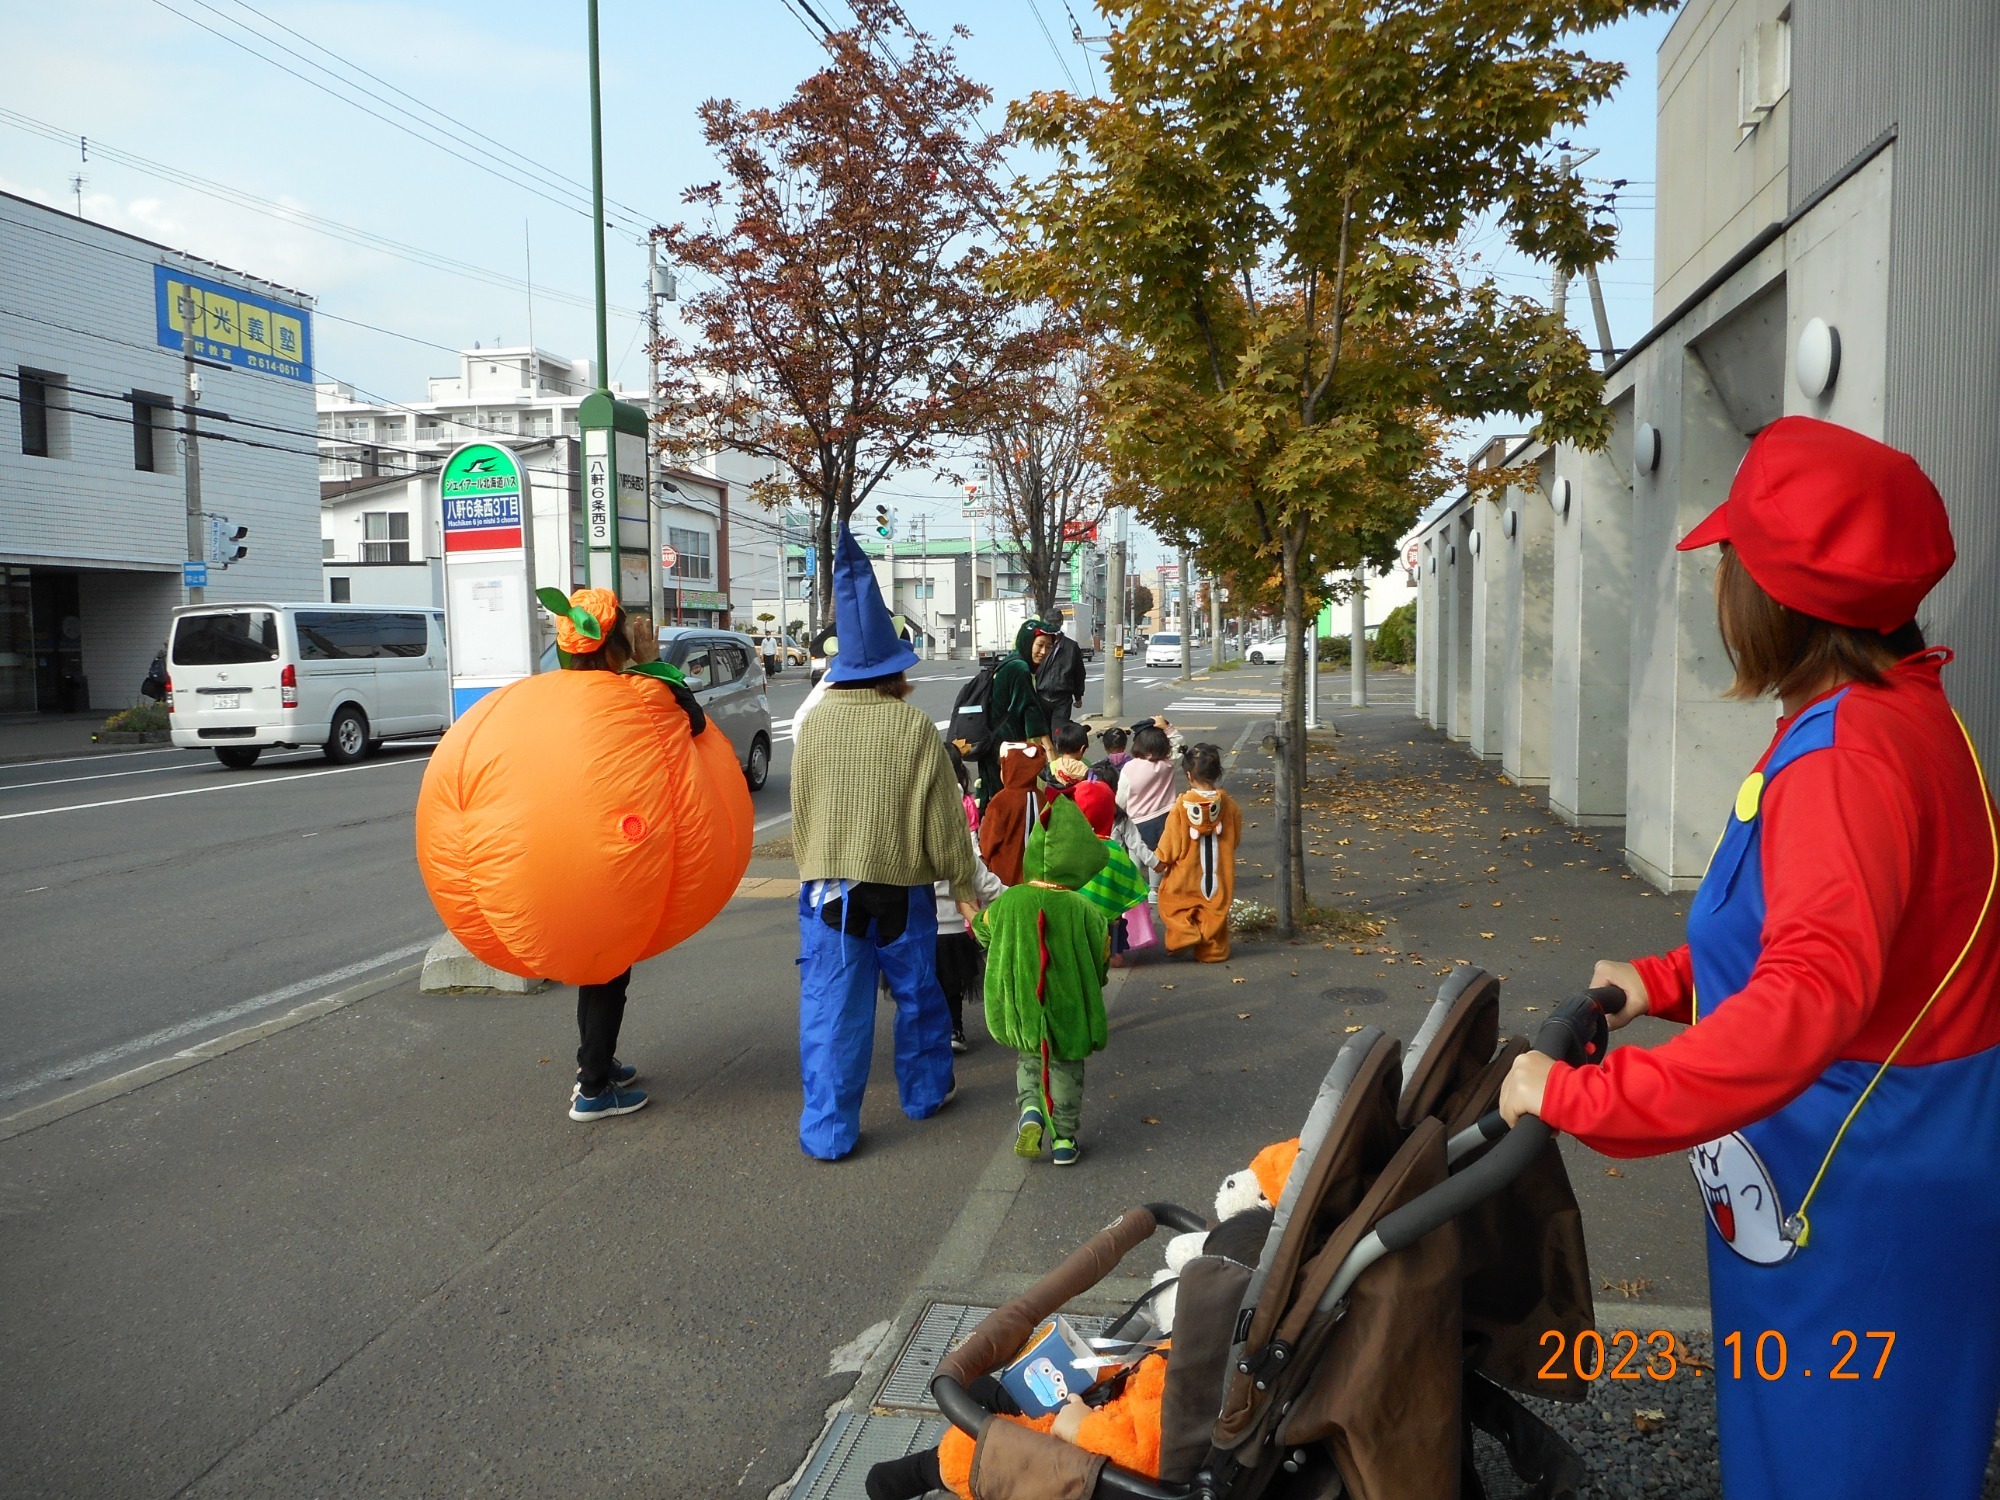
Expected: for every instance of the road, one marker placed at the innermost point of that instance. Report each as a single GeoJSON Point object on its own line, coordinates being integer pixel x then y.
{"type": "Point", "coordinates": [154, 899]}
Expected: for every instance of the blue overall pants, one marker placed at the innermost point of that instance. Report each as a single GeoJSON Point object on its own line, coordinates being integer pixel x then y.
{"type": "Point", "coordinates": [1864, 1360]}
{"type": "Point", "coordinates": [837, 971]}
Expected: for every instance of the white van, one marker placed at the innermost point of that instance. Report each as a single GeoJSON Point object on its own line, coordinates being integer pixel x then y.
{"type": "Point", "coordinates": [343, 677]}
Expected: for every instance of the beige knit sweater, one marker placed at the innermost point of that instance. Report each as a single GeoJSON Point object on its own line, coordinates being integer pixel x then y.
{"type": "Point", "coordinates": [874, 798]}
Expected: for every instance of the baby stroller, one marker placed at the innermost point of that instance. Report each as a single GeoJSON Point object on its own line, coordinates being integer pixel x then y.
{"type": "Point", "coordinates": [1417, 1258]}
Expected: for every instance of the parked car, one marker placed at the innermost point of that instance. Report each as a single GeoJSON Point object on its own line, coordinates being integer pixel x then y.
{"type": "Point", "coordinates": [726, 674]}
{"type": "Point", "coordinates": [1164, 649]}
{"type": "Point", "coordinates": [242, 678]}
{"type": "Point", "coordinates": [1261, 652]}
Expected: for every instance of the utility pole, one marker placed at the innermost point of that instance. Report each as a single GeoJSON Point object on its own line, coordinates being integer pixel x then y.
{"type": "Point", "coordinates": [1357, 635]}
{"type": "Point", "coordinates": [197, 546]}
{"type": "Point", "coordinates": [1597, 311]}
{"type": "Point", "coordinates": [1114, 647]}
{"type": "Point", "coordinates": [1214, 625]}
{"type": "Point", "coordinates": [653, 571]}
{"type": "Point", "coordinates": [1187, 619]}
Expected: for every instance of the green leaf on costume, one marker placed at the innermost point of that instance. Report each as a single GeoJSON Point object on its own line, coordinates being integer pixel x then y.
{"type": "Point", "coordinates": [563, 657]}
{"type": "Point", "coordinates": [555, 601]}
{"type": "Point", "coordinates": [665, 671]}
{"type": "Point", "coordinates": [586, 624]}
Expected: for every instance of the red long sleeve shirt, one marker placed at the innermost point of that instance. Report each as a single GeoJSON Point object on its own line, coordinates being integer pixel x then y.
{"type": "Point", "coordinates": [1877, 860]}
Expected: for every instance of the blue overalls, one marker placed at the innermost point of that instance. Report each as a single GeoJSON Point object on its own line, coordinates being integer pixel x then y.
{"type": "Point", "coordinates": [1901, 1237]}
{"type": "Point", "coordinates": [837, 973]}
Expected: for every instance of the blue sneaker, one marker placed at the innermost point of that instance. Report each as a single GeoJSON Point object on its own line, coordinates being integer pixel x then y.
{"type": "Point", "coordinates": [622, 1075]}
{"type": "Point", "coordinates": [1063, 1153]}
{"type": "Point", "coordinates": [613, 1101]}
{"type": "Point", "coordinates": [1028, 1137]}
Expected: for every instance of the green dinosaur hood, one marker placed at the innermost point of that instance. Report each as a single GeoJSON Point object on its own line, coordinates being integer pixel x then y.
{"type": "Point", "coordinates": [1024, 639]}
{"type": "Point", "coordinates": [1064, 851]}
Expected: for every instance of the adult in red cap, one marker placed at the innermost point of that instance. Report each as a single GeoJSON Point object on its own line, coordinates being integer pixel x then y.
{"type": "Point", "coordinates": [1838, 1084]}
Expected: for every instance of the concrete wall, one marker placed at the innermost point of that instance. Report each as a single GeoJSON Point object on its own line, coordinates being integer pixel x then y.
{"type": "Point", "coordinates": [1491, 563]}
{"type": "Point", "coordinates": [1458, 610]}
{"type": "Point", "coordinates": [1863, 68]}
{"type": "Point", "coordinates": [1837, 260]}
{"type": "Point", "coordinates": [125, 618]}
{"type": "Point", "coordinates": [1715, 188]}
{"type": "Point", "coordinates": [1592, 646]}
{"type": "Point", "coordinates": [1529, 614]}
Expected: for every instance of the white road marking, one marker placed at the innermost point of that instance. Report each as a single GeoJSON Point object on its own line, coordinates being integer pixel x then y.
{"type": "Point", "coordinates": [333, 979]}
{"type": "Point", "coordinates": [22, 786]}
{"type": "Point", "coordinates": [1224, 706]}
{"type": "Point", "coordinates": [196, 791]}
{"type": "Point", "coordinates": [852, 1355]}
{"type": "Point", "coordinates": [70, 760]}
{"type": "Point", "coordinates": [771, 822]}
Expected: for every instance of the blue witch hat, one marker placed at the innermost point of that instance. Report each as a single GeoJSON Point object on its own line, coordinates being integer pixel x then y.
{"type": "Point", "coordinates": [868, 643]}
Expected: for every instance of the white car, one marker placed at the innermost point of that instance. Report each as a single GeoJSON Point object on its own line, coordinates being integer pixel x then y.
{"type": "Point", "coordinates": [1261, 652]}
{"type": "Point", "coordinates": [242, 678]}
{"type": "Point", "coordinates": [1164, 649]}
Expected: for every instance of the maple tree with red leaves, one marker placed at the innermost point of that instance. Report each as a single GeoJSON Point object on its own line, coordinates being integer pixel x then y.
{"type": "Point", "coordinates": [843, 327]}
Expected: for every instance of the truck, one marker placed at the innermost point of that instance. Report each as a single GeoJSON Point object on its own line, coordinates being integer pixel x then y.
{"type": "Point", "coordinates": [1000, 620]}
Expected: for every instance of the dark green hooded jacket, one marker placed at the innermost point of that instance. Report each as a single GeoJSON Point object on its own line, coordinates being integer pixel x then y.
{"type": "Point", "coordinates": [1017, 708]}
{"type": "Point", "coordinates": [1060, 996]}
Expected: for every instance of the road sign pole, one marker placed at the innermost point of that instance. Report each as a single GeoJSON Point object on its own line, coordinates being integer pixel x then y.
{"type": "Point", "coordinates": [197, 592]}
{"type": "Point", "coordinates": [1114, 658]}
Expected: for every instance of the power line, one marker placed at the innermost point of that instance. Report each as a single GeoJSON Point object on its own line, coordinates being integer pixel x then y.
{"type": "Point", "coordinates": [348, 63]}
{"type": "Point", "coordinates": [511, 178]}
{"type": "Point", "coordinates": [333, 228]}
{"type": "Point", "coordinates": [1054, 51]}
{"type": "Point", "coordinates": [1076, 31]}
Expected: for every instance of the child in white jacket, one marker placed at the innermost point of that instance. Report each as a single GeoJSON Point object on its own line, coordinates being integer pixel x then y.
{"type": "Point", "coordinates": [961, 962]}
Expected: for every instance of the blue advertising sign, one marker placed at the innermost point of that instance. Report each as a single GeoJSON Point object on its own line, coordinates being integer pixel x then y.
{"type": "Point", "coordinates": [231, 326]}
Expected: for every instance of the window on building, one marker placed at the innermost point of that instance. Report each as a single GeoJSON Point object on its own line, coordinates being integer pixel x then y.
{"type": "Point", "coordinates": [39, 403]}
{"type": "Point", "coordinates": [149, 433]}
{"type": "Point", "coordinates": [385, 536]}
{"type": "Point", "coordinates": [339, 590]}
{"type": "Point", "coordinates": [697, 558]}
{"type": "Point", "coordinates": [326, 549]}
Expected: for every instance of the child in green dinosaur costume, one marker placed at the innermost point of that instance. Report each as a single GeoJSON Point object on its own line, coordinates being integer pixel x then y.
{"type": "Point", "coordinates": [1048, 955]}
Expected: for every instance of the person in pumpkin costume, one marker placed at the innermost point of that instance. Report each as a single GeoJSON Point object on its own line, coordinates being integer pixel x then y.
{"type": "Point", "coordinates": [1048, 955]}
{"type": "Point", "coordinates": [1014, 811]}
{"type": "Point", "coordinates": [605, 777]}
{"type": "Point", "coordinates": [877, 820]}
{"type": "Point", "coordinates": [1197, 856]}
{"type": "Point", "coordinates": [1838, 1084]}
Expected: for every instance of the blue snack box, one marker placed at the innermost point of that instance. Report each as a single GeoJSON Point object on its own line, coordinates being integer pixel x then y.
{"type": "Point", "coordinates": [1056, 1364]}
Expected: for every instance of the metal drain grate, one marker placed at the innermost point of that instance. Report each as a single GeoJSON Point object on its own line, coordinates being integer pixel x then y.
{"type": "Point", "coordinates": [942, 1328]}
{"type": "Point", "coordinates": [854, 1444]}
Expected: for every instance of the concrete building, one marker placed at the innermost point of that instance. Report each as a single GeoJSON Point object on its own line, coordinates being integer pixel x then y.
{"type": "Point", "coordinates": [93, 473]}
{"type": "Point", "coordinates": [1825, 183]}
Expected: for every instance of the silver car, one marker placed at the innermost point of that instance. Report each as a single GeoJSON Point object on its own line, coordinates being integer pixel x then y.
{"type": "Point", "coordinates": [726, 675]}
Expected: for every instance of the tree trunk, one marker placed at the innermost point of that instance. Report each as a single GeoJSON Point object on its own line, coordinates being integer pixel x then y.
{"type": "Point", "coordinates": [1291, 818]}
{"type": "Point", "coordinates": [825, 530]}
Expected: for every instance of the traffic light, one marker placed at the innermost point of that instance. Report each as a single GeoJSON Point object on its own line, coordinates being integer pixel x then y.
{"type": "Point", "coordinates": [885, 524]}
{"type": "Point", "coordinates": [225, 542]}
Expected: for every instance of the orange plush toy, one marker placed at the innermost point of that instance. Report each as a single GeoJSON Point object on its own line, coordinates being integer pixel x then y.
{"type": "Point", "coordinates": [574, 823]}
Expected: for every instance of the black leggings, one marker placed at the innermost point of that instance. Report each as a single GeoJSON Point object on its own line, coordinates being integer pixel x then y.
{"type": "Point", "coordinates": [600, 1011]}
{"type": "Point", "coordinates": [917, 1475]}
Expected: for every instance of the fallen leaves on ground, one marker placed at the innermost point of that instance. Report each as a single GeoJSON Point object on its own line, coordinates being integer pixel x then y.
{"type": "Point", "coordinates": [1649, 1419]}
{"type": "Point", "coordinates": [1149, 1119]}
{"type": "Point", "coordinates": [1628, 1286]}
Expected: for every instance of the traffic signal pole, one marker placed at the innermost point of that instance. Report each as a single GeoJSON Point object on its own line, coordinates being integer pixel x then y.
{"type": "Point", "coordinates": [1114, 652]}
{"type": "Point", "coordinates": [197, 543]}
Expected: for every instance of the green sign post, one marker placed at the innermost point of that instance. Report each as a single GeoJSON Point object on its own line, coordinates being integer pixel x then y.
{"type": "Point", "coordinates": [617, 479]}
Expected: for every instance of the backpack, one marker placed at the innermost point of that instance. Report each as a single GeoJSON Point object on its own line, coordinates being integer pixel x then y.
{"type": "Point", "coordinates": [972, 714]}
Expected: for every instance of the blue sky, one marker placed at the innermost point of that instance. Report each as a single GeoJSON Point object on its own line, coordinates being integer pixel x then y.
{"type": "Point", "coordinates": [142, 78]}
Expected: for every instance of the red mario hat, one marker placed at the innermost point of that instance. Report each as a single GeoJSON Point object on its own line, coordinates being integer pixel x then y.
{"type": "Point", "coordinates": [1094, 800]}
{"type": "Point", "coordinates": [1834, 524]}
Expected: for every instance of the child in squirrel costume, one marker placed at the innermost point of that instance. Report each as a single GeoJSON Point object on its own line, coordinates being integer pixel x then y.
{"type": "Point", "coordinates": [1013, 811]}
{"type": "Point", "coordinates": [1197, 855]}
{"type": "Point", "coordinates": [1048, 955]}
{"type": "Point", "coordinates": [1120, 1417]}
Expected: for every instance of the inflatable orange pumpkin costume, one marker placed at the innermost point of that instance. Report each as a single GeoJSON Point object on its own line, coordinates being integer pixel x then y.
{"type": "Point", "coordinates": [574, 823]}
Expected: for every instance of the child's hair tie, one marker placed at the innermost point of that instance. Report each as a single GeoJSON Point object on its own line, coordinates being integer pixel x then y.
{"type": "Point", "coordinates": [581, 617]}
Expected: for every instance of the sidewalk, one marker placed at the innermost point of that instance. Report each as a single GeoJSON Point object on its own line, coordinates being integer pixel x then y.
{"type": "Point", "coordinates": [53, 736]}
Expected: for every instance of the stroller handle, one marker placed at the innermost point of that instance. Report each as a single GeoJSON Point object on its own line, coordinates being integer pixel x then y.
{"type": "Point", "coordinates": [1004, 1330]}
{"type": "Point", "coordinates": [1576, 1034]}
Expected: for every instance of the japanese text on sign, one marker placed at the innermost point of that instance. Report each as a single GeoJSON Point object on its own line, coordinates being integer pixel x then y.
{"type": "Point", "coordinates": [231, 326]}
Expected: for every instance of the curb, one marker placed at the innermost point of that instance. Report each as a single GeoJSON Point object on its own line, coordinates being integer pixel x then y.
{"type": "Point", "coordinates": [134, 1079]}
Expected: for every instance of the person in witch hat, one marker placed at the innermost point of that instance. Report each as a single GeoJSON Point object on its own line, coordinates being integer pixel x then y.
{"type": "Point", "coordinates": [877, 820]}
